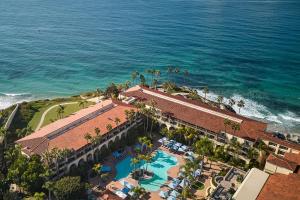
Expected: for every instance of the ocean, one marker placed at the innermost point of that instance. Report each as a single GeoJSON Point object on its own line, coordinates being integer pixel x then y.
{"type": "Point", "coordinates": [248, 50]}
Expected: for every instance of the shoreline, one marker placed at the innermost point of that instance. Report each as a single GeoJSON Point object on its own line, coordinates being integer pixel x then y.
{"type": "Point", "coordinates": [285, 126]}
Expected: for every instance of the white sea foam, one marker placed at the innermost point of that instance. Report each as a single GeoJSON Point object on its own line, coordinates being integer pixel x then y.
{"type": "Point", "coordinates": [8, 99]}
{"type": "Point", "coordinates": [286, 121]}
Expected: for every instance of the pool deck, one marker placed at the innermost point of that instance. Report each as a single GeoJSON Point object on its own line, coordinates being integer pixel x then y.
{"type": "Point", "coordinates": [112, 185]}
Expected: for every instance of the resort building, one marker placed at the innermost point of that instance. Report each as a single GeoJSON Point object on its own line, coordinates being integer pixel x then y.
{"type": "Point", "coordinates": [259, 185]}
{"type": "Point", "coordinates": [288, 164]}
{"type": "Point", "coordinates": [69, 134]}
{"type": "Point", "coordinates": [174, 111]}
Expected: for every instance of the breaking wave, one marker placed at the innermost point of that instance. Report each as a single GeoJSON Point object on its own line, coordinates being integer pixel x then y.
{"type": "Point", "coordinates": [8, 99]}
{"type": "Point", "coordinates": [283, 122]}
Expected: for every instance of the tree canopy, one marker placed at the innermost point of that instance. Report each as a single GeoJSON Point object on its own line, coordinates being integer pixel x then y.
{"type": "Point", "coordinates": [69, 188]}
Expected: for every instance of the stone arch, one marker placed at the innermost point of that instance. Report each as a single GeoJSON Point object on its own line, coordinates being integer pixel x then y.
{"type": "Point", "coordinates": [111, 145]}
{"type": "Point", "coordinates": [72, 168]}
{"type": "Point", "coordinates": [117, 144]}
{"type": "Point", "coordinates": [104, 151]}
{"type": "Point", "coordinates": [97, 155]}
{"type": "Point", "coordinates": [81, 162]}
{"type": "Point", "coordinates": [89, 157]}
{"type": "Point", "coordinates": [162, 125]}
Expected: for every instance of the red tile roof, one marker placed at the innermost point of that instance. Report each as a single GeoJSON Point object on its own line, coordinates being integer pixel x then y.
{"type": "Point", "coordinates": [281, 187]}
{"type": "Point", "coordinates": [282, 162]}
{"type": "Point", "coordinates": [249, 129]}
{"type": "Point", "coordinates": [40, 141]}
{"type": "Point", "coordinates": [295, 157]}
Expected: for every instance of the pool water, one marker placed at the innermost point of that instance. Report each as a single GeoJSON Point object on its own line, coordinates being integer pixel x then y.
{"type": "Point", "coordinates": [162, 162]}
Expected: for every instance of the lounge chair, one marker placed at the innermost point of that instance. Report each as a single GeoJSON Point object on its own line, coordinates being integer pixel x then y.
{"type": "Point", "coordinates": [171, 198]}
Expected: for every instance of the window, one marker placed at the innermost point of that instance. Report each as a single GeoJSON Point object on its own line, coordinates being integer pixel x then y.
{"type": "Point", "coordinates": [283, 147]}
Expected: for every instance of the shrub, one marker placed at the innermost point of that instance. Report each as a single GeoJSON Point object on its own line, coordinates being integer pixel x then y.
{"type": "Point", "coordinates": [69, 188]}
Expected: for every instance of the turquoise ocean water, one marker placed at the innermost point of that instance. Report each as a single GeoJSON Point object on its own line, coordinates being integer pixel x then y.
{"type": "Point", "coordinates": [244, 49]}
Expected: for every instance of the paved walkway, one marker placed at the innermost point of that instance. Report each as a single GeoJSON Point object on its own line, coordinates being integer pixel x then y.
{"type": "Point", "coordinates": [46, 112]}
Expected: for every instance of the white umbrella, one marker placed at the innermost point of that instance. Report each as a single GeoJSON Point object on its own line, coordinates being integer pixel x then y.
{"type": "Point", "coordinates": [184, 183]}
{"type": "Point", "coordinates": [163, 194]}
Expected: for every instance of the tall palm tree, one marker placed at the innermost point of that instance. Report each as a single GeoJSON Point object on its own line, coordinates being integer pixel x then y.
{"type": "Point", "coordinates": [235, 127]}
{"type": "Point", "coordinates": [117, 121]}
{"type": "Point", "coordinates": [60, 111]}
{"type": "Point", "coordinates": [81, 104]}
{"type": "Point", "coordinates": [240, 104]}
{"type": "Point", "coordinates": [97, 168]}
{"type": "Point", "coordinates": [227, 122]}
{"type": "Point", "coordinates": [134, 161]}
{"type": "Point", "coordinates": [127, 84]}
{"type": "Point", "coordinates": [97, 139]}
{"type": "Point", "coordinates": [205, 91]}
{"type": "Point", "coordinates": [220, 99]}
{"type": "Point", "coordinates": [231, 102]}
{"type": "Point", "coordinates": [108, 127]}
{"type": "Point", "coordinates": [142, 80]}
{"type": "Point", "coordinates": [88, 137]}
{"type": "Point", "coordinates": [155, 83]}
{"type": "Point", "coordinates": [3, 133]}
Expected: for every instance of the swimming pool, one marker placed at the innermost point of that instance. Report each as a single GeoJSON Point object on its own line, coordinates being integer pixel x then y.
{"type": "Point", "coordinates": [162, 162]}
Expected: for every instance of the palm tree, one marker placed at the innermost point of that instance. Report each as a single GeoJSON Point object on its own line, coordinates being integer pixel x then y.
{"type": "Point", "coordinates": [231, 102]}
{"type": "Point", "coordinates": [134, 162]}
{"type": "Point", "coordinates": [204, 147]}
{"type": "Point", "coordinates": [117, 121]}
{"type": "Point", "coordinates": [155, 83]}
{"type": "Point", "coordinates": [157, 74]}
{"type": "Point", "coordinates": [127, 84]}
{"type": "Point", "coordinates": [138, 192]}
{"type": "Point", "coordinates": [97, 139]}
{"type": "Point", "coordinates": [205, 91]}
{"type": "Point", "coordinates": [186, 192]}
{"type": "Point", "coordinates": [134, 76]}
{"type": "Point", "coordinates": [108, 127]}
{"type": "Point", "coordinates": [235, 127]}
{"type": "Point", "coordinates": [60, 111]}
{"type": "Point", "coordinates": [142, 80]}
{"type": "Point", "coordinates": [97, 168]}
{"type": "Point", "coordinates": [152, 114]}
{"type": "Point", "coordinates": [240, 104]}
{"type": "Point", "coordinates": [88, 137]}
{"type": "Point", "coordinates": [236, 147]}
{"type": "Point", "coordinates": [81, 104]}
{"type": "Point", "coordinates": [220, 99]}
{"type": "Point", "coordinates": [227, 122]}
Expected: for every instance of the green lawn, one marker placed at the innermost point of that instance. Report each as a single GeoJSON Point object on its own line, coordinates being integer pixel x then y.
{"type": "Point", "coordinates": [198, 186]}
{"type": "Point", "coordinates": [69, 109]}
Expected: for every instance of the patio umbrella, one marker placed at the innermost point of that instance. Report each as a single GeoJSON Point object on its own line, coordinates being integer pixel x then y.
{"type": "Point", "coordinates": [160, 141]}
{"type": "Point", "coordinates": [197, 172]}
{"type": "Point", "coordinates": [171, 198]}
{"type": "Point", "coordinates": [184, 147]}
{"type": "Point", "coordinates": [120, 194]}
{"type": "Point", "coordinates": [129, 186]}
{"type": "Point", "coordinates": [163, 194]}
{"type": "Point", "coordinates": [178, 144]}
{"type": "Point", "coordinates": [173, 185]}
{"type": "Point", "coordinates": [184, 183]}
{"type": "Point", "coordinates": [174, 193]}
{"type": "Point", "coordinates": [164, 139]}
